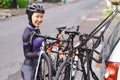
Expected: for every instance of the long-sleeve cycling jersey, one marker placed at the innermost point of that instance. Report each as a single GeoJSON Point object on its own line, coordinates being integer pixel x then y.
{"type": "Point", "coordinates": [31, 49]}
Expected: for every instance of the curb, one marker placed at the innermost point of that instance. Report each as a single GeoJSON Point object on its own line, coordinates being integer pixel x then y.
{"type": "Point", "coordinates": [8, 13]}
{"type": "Point", "coordinates": [5, 15]}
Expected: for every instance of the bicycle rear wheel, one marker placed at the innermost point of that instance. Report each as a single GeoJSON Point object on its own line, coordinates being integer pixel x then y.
{"type": "Point", "coordinates": [45, 70]}
{"type": "Point", "coordinates": [63, 71]}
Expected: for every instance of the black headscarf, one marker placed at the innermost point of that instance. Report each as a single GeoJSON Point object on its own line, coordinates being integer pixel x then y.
{"type": "Point", "coordinates": [30, 19]}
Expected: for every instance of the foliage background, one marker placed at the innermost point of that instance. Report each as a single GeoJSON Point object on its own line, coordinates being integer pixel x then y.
{"type": "Point", "coordinates": [5, 4]}
{"type": "Point", "coordinates": [8, 3]}
{"type": "Point", "coordinates": [22, 3]}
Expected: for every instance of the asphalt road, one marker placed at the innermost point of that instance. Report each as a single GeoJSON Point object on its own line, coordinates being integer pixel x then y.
{"type": "Point", "coordinates": [11, 55]}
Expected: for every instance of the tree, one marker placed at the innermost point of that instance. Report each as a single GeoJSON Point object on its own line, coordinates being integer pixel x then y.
{"type": "Point", "coordinates": [14, 4]}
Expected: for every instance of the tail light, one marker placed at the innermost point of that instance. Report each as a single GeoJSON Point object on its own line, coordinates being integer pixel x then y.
{"type": "Point", "coordinates": [111, 71]}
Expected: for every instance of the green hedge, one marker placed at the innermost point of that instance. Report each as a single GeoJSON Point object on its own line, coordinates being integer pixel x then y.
{"type": "Point", "coordinates": [22, 3]}
{"type": "Point", "coordinates": [5, 3]}
{"type": "Point", "coordinates": [8, 3]}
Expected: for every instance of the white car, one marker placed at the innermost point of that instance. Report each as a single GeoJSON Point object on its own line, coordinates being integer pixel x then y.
{"type": "Point", "coordinates": [111, 56]}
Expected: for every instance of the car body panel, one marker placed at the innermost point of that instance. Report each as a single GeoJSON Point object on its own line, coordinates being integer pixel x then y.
{"type": "Point", "coordinates": [115, 56]}
{"type": "Point", "coordinates": [111, 51]}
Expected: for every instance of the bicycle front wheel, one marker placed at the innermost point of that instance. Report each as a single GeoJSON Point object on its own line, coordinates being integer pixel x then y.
{"type": "Point", "coordinates": [44, 71]}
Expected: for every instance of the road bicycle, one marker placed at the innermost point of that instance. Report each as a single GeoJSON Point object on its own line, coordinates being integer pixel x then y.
{"type": "Point", "coordinates": [45, 69]}
{"type": "Point", "coordinates": [85, 53]}
{"type": "Point", "coordinates": [62, 47]}
{"type": "Point", "coordinates": [67, 67]}
{"type": "Point", "coordinates": [101, 29]}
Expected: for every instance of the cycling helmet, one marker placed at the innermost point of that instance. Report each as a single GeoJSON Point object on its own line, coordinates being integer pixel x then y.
{"type": "Point", "coordinates": [35, 7]}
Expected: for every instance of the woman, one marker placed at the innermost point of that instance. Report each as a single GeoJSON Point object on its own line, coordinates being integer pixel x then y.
{"type": "Point", "coordinates": [31, 48]}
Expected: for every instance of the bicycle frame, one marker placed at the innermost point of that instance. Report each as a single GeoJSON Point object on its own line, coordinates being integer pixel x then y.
{"type": "Point", "coordinates": [102, 26]}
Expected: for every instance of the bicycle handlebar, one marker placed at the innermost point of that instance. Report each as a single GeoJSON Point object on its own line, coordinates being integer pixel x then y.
{"type": "Point", "coordinates": [48, 37]}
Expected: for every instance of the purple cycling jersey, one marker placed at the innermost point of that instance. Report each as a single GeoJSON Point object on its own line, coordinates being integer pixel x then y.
{"type": "Point", "coordinates": [31, 49]}
{"type": "Point", "coordinates": [36, 44]}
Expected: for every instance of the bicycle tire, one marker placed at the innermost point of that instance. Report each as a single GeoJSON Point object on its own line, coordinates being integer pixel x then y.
{"type": "Point", "coordinates": [65, 70]}
{"type": "Point", "coordinates": [45, 69]}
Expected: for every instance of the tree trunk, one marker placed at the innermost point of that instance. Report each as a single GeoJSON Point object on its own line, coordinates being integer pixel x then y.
{"type": "Point", "coordinates": [14, 4]}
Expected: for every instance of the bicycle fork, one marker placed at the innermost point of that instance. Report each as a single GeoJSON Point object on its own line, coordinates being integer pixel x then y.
{"type": "Point", "coordinates": [38, 63]}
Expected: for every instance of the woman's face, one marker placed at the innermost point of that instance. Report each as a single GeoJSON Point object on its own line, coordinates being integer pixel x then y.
{"type": "Point", "coordinates": [37, 18]}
